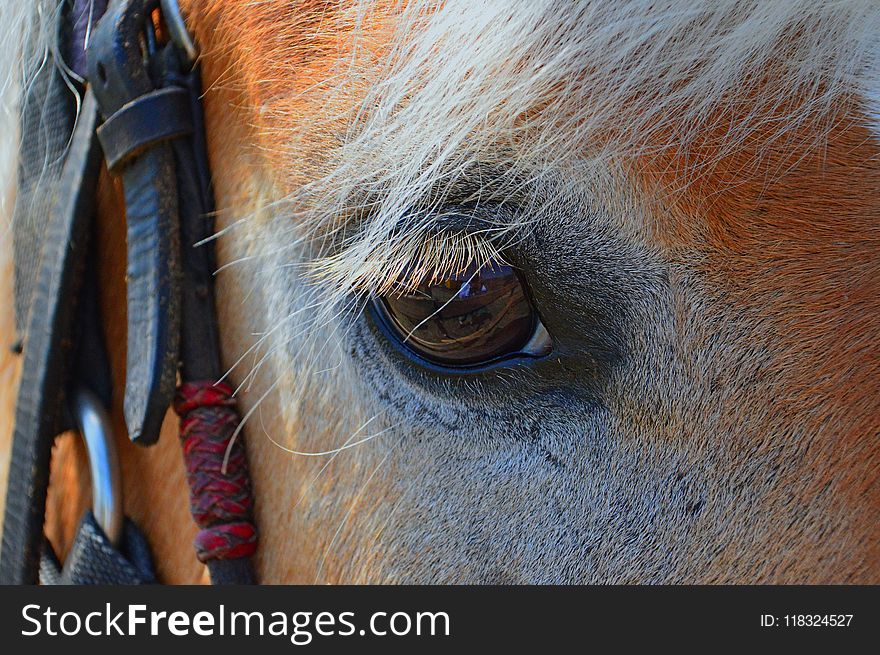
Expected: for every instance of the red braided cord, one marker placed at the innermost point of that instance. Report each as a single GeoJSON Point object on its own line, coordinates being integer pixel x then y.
{"type": "Point", "coordinates": [221, 504]}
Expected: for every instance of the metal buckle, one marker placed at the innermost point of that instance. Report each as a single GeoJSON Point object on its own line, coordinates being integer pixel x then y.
{"type": "Point", "coordinates": [97, 432]}
{"type": "Point", "coordinates": [173, 18]}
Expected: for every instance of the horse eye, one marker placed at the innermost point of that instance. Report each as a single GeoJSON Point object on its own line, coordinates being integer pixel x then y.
{"type": "Point", "coordinates": [481, 316]}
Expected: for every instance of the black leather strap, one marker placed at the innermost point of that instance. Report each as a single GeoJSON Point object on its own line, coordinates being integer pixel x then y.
{"type": "Point", "coordinates": [200, 334]}
{"type": "Point", "coordinates": [39, 414]}
{"type": "Point", "coordinates": [143, 126]}
{"type": "Point", "coordinates": [154, 137]}
{"type": "Point", "coordinates": [158, 116]}
{"type": "Point", "coordinates": [119, 76]}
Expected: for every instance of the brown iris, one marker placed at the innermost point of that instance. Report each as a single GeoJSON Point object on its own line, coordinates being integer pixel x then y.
{"type": "Point", "coordinates": [478, 316]}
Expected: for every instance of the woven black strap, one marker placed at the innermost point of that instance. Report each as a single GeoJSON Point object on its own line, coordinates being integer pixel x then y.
{"type": "Point", "coordinates": [94, 560]}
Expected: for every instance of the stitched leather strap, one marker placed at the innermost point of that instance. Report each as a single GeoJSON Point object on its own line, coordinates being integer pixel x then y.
{"type": "Point", "coordinates": [48, 353]}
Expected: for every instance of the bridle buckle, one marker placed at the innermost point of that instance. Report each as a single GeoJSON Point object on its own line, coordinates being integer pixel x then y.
{"type": "Point", "coordinates": [177, 31]}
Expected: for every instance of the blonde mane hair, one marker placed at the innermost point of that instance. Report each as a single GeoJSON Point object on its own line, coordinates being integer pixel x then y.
{"type": "Point", "coordinates": [516, 93]}
{"type": "Point", "coordinates": [24, 46]}
{"type": "Point", "coordinates": [520, 91]}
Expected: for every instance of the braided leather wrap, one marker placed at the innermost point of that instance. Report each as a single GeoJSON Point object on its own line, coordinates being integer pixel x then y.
{"type": "Point", "coordinates": [221, 504]}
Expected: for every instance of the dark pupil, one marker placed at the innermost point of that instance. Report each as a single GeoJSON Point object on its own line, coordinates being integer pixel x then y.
{"type": "Point", "coordinates": [478, 316]}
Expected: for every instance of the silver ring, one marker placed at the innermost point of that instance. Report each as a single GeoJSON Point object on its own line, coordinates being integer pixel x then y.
{"type": "Point", "coordinates": [94, 426]}
{"type": "Point", "coordinates": [177, 29]}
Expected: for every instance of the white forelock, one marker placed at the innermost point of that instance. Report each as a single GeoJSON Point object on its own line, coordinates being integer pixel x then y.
{"type": "Point", "coordinates": [530, 89]}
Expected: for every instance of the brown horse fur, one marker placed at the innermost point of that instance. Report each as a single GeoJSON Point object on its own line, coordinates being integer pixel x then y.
{"type": "Point", "coordinates": [734, 245]}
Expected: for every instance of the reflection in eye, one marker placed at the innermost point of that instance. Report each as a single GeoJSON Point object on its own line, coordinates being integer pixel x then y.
{"type": "Point", "coordinates": [477, 317]}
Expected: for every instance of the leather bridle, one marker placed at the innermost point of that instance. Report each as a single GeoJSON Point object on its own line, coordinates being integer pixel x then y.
{"type": "Point", "coordinates": [135, 94]}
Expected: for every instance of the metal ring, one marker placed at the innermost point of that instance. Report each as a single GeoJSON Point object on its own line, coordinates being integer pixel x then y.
{"type": "Point", "coordinates": [177, 29]}
{"type": "Point", "coordinates": [95, 428]}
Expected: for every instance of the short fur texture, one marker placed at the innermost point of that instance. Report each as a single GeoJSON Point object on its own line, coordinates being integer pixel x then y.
{"type": "Point", "coordinates": [690, 190]}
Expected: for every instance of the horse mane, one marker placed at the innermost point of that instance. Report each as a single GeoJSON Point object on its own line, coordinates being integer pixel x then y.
{"type": "Point", "coordinates": [25, 43]}
{"type": "Point", "coordinates": [514, 94]}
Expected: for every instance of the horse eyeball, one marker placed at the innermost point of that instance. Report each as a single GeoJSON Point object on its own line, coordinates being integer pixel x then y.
{"type": "Point", "coordinates": [480, 316]}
